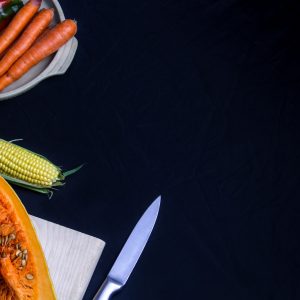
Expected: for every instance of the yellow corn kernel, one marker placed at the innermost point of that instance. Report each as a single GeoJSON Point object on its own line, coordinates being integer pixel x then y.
{"type": "Point", "coordinates": [22, 164]}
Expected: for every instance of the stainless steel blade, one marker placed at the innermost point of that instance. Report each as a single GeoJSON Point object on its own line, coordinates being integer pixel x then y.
{"type": "Point", "coordinates": [134, 245]}
{"type": "Point", "coordinates": [129, 254]}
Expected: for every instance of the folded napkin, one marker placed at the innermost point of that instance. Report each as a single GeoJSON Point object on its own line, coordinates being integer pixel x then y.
{"type": "Point", "coordinates": [71, 256]}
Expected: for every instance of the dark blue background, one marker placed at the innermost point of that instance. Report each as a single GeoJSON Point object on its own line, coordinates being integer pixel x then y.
{"type": "Point", "coordinates": [198, 101]}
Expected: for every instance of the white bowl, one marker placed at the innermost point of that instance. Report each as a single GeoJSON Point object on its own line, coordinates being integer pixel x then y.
{"type": "Point", "coordinates": [56, 64]}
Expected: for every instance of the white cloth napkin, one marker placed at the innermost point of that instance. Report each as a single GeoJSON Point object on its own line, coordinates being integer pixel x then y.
{"type": "Point", "coordinates": [71, 256]}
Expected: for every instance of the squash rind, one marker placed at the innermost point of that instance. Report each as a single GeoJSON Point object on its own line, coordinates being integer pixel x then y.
{"type": "Point", "coordinates": [44, 286]}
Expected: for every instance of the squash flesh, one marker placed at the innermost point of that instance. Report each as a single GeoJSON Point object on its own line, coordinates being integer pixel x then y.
{"type": "Point", "coordinates": [24, 273]}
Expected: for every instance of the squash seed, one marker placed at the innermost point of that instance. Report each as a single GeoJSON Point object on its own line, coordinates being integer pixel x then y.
{"type": "Point", "coordinates": [14, 258]}
{"type": "Point", "coordinates": [23, 263]}
{"type": "Point", "coordinates": [29, 276]}
{"type": "Point", "coordinates": [6, 240]}
{"type": "Point", "coordinates": [18, 252]}
{"type": "Point", "coordinates": [11, 237]}
{"type": "Point", "coordinates": [25, 251]}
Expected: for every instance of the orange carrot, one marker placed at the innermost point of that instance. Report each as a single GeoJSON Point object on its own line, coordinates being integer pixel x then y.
{"type": "Point", "coordinates": [18, 23]}
{"type": "Point", "coordinates": [28, 37]}
{"type": "Point", "coordinates": [44, 33]}
{"type": "Point", "coordinates": [48, 44]}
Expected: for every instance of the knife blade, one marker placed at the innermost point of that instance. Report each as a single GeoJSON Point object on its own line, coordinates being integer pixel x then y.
{"type": "Point", "coordinates": [130, 253]}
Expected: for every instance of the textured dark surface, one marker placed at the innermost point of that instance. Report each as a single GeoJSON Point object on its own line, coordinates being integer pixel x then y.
{"type": "Point", "coordinates": [197, 101]}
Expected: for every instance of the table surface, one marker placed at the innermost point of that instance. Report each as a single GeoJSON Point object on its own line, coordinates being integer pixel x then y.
{"type": "Point", "coordinates": [197, 101]}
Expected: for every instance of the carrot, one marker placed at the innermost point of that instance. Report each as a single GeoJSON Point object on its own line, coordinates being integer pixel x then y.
{"type": "Point", "coordinates": [8, 8]}
{"type": "Point", "coordinates": [28, 37]}
{"type": "Point", "coordinates": [18, 23]}
{"type": "Point", "coordinates": [44, 33]}
{"type": "Point", "coordinates": [48, 44]}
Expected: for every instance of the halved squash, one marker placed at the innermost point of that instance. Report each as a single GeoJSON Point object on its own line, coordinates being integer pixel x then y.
{"type": "Point", "coordinates": [24, 273]}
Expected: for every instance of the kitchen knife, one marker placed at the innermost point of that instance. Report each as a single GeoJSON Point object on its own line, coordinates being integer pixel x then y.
{"type": "Point", "coordinates": [130, 253]}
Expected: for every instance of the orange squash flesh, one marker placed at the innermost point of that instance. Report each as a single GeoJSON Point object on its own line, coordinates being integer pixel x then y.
{"type": "Point", "coordinates": [24, 273]}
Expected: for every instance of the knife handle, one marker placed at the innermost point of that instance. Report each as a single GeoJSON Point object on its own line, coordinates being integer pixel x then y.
{"type": "Point", "coordinates": [108, 287]}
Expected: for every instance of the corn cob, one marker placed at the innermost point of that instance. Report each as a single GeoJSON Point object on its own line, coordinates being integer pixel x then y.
{"type": "Point", "coordinates": [29, 169]}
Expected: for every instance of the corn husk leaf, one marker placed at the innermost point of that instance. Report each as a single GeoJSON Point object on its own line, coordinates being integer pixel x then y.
{"type": "Point", "coordinates": [19, 181]}
{"type": "Point", "coordinates": [72, 171]}
{"type": "Point", "coordinates": [27, 185]}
